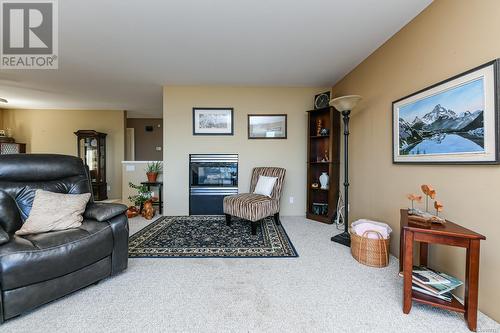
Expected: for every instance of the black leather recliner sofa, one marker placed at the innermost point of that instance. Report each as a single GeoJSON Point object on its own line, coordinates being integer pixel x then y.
{"type": "Point", "coordinates": [36, 269]}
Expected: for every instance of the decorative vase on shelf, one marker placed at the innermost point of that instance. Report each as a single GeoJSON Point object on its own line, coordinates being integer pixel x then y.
{"type": "Point", "coordinates": [323, 179]}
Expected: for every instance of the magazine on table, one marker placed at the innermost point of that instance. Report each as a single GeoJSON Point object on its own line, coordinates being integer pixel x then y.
{"type": "Point", "coordinates": [445, 297]}
{"type": "Point", "coordinates": [426, 275]}
{"type": "Point", "coordinates": [420, 277]}
{"type": "Point", "coordinates": [439, 289]}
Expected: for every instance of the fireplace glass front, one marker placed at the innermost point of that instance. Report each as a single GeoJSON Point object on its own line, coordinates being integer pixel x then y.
{"type": "Point", "coordinates": [212, 177]}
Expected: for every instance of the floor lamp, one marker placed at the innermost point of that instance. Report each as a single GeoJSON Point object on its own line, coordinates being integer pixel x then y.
{"type": "Point", "coordinates": [344, 105]}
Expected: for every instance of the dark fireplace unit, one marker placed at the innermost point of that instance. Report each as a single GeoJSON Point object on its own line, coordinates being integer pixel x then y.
{"type": "Point", "coordinates": [211, 178]}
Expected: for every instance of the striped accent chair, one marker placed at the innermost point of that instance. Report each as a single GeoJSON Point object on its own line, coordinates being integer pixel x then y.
{"type": "Point", "coordinates": [255, 207]}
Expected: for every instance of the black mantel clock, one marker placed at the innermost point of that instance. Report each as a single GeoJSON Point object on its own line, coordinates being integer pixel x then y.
{"type": "Point", "coordinates": [92, 150]}
{"type": "Point", "coordinates": [322, 100]}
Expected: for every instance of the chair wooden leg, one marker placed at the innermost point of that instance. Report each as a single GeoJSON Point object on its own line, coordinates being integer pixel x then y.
{"type": "Point", "coordinates": [277, 219]}
{"type": "Point", "coordinates": [254, 227]}
{"type": "Point", "coordinates": [228, 220]}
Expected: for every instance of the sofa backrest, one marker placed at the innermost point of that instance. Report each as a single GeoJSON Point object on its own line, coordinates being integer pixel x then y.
{"type": "Point", "coordinates": [22, 174]}
{"type": "Point", "coordinates": [269, 172]}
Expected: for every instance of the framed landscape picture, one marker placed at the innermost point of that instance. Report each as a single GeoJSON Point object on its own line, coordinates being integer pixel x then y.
{"type": "Point", "coordinates": [454, 121]}
{"type": "Point", "coordinates": [267, 126]}
{"type": "Point", "coordinates": [213, 121]}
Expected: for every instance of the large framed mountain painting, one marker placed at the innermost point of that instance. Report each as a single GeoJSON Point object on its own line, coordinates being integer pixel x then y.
{"type": "Point", "coordinates": [454, 121]}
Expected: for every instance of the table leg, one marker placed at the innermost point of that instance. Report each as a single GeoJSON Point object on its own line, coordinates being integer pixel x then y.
{"type": "Point", "coordinates": [160, 189]}
{"type": "Point", "coordinates": [424, 250]}
{"type": "Point", "coordinates": [401, 248]}
{"type": "Point", "coordinates": [407, 270]}
{"type": "Point", "coordinates": [472, 284]}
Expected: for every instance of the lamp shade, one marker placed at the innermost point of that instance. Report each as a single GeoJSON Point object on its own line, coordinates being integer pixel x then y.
{"type": "Point", "coordinates": [345, 103]}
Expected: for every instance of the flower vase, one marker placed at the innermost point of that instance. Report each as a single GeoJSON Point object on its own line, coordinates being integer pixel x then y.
{"type": "Point", "coordinates": [323, 179]}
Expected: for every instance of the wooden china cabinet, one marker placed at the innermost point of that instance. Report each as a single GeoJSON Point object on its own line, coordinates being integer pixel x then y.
{"type": "Point", "coordinates": [92, 150]}
{"type": "Point", "coordinates": [323, 148]}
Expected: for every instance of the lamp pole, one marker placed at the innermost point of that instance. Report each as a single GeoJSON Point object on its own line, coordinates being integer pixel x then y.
{"type": "Point", "coordinates": [345, 105]}
{"type": "Point", "coordinates": [344, 238]}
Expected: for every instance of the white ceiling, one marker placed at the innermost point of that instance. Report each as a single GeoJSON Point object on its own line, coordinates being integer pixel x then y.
{"type": "Point", "coordinates": [117, 54]}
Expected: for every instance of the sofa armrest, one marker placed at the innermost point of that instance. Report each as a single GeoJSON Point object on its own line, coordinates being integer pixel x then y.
{"type": "Point", "coordinates": [119, 257]}
{"type": "Point", "coordinates": [103, 211]}
{"type": "Point", "coordinates": [4, 236]}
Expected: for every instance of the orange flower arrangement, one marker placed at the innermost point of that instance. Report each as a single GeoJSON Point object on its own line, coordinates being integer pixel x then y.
{"type": "Point", "coordinates": [429, 192]}
{"type": "Point", "coordinates": [413, 197]}
{"type": "Point", "coordinates": [438, 206]}
{"type": "Point", "coordinates": [426, 216]}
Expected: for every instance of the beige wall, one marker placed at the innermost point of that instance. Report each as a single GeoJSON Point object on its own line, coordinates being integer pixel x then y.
{"type": "Point", "coordinates": [52, 131]}
{"type": "Point", "coordinates": [290, 154]}
{"type": "Point", "coordinates": [449, 37]}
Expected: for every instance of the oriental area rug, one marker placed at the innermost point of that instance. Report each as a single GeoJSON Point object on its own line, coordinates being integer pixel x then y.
{"type": "Point", "coordinates": [208, 236]}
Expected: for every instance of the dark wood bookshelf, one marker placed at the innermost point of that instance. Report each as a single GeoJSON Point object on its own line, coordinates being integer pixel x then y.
{"type": "Point", "coordinates": [316, 147]}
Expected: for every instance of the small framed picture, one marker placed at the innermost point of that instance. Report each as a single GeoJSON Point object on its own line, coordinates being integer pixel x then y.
{"type": "Point", "coordinates": [213, 121]}
{"type": "Point", "coordinates": [267, 126]}
{"type": "Point", "coordinates": [454, 121]}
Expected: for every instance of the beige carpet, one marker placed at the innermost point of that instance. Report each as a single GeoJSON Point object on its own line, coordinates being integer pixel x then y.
{"type": "Point", "coordinates": [324, 290]}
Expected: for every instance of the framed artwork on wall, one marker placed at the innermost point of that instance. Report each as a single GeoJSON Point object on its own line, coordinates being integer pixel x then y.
{"type": "Point", "coordinates": [267, 126]}
{"type": "Point", "coordinates": [213, 121]}
{"type": "Point", "coordinates": [452, 122]}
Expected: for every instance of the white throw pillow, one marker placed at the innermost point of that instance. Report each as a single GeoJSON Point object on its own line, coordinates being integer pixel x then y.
{"type": "Point", "coordinates": [54, 211]}
{"type": "Point", "coordinates": [265, 185]}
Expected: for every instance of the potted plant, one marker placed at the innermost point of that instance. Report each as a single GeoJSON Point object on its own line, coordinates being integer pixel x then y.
{"type": "Point", "coordinates": [143, 195]}
{"type": "Point", "coordinates": [152, 171]}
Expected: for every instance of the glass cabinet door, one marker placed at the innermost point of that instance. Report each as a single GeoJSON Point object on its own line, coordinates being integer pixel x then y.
{"type": "Point", "coordinates": [91, 147]}
{"type": "Point", "coordinates": [102, 162]}
{"type": "Point", "coordinates": [88, 153]}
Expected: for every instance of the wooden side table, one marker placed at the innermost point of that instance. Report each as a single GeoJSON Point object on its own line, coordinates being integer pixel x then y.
{"type": "Point", "coordinates": [448, 234]}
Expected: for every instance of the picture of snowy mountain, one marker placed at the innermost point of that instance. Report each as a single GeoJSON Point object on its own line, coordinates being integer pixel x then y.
{"type": "Point", "coordinates": [450, 122]}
